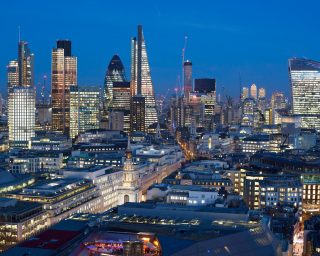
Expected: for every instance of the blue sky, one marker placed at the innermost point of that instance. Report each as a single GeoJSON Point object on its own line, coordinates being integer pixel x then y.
{"type": "Point", "coordinates": [225, 38]}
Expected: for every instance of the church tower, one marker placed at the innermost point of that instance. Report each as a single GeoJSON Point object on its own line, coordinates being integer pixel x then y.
{"type": "Point", "coordinates": [128, 192]}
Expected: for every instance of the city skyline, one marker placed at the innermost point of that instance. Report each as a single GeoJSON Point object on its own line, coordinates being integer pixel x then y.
{"type": "Point", "coordinates": [255, 44]}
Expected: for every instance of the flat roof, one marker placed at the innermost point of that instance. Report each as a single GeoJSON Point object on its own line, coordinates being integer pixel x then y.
{"type": "Point", "coordinates": [50, 239]}
{"type": "Point", "coordinates": [18, 208]}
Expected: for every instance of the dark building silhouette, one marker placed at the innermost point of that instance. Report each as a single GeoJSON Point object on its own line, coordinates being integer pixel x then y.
{"type": "Point", "coordinates": [205, 85]}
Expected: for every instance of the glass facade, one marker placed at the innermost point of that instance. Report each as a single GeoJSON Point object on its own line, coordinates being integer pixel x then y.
{"type": "Point", "coordinates": [114, 73]}
{"type": "Point", "coordinates": [141, 82]}
{"type": "Point", "coordinates": [12, 74]}
{"type": "Point", "coordinates": [21, 115]}
{"type": "Point", "coordinates": [84, 109]}
{"type": "Point", "coordinates": [305, 88]}
{"type": "Point", "coordinates": [63, 75]}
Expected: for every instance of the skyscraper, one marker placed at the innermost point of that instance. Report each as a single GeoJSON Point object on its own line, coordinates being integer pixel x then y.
{"type": "Point", "coordinates": [25, 65]}
{"type": "Point", "coordinates": [84, 109]}
{"type": "Point", "coordinates": [63, 75]}
{"type": "Point", "coordinates": [305, 88]}
{"type": "Point", "coordinates": [253, 91]}
{"type": "Point", "coordinates": [244, 93]}
{"type": "Point", "coordinates": [141, 83]}
{"type": "Point", "coordinates": [21, 115]}
{"type": "Point", "coordinates": [121, 103]}
{"type": "Point", "coordinates": [115, 73]}
{"type": "Point", "coordinates": [187, 78]}
{"type": "Point", "coordinates": [278, 101]}
{"type": "Point", "coordinates": [21, 97]}
{"type": "Point", "coordinates": [12, 74]}
{"type": "Point", "coordinates": [262, 92]}
{"type": "Point", "coordinates": [137, 113]}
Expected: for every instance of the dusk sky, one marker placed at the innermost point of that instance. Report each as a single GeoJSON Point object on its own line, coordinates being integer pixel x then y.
{"type": "Point", "coordinates": [225, 38]}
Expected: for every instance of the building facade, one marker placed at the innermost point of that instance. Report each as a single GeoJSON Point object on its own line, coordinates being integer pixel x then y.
{"type": "Point", "coordinates": [141, 83]}
{"type": "Point", "coordinates": [84, 109]}
{"type": "Point", "coordinates": [115, 73]}
{"type": "Point", "coordinates": [63, 75]}
{"type": "Point", "coordinates": [305, 89]}
{"type": "Point", "coordinates": [21, 116]}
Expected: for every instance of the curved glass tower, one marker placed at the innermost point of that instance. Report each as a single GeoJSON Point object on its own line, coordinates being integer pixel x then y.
{"type": "Point", "coordinates": [115, 73]}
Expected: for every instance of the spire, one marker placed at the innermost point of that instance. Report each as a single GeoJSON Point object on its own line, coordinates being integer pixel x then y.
{"type": "Point", "coordinates": [128, 150]}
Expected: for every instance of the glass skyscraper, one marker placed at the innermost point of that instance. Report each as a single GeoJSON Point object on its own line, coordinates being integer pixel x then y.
{"type": "Point", "coordinates": [21, 97]}
{"type": "Point", "coordinates": [141, 83]}
{"type": "Point", "coordinates": [305, 89]}
{"type": "Point", "coordinates": [12, 74]}
{"type": "Point", "coordinates": [187, 78]}
{"type": "Point", "coordinates": [84, 109]}
{"type": "Point", "coordinates": [115, 73]}
{"type": "Point", "coordinates": [63, 75]}
{"type": "Point", "coordinates": [21, 115]}
{"type": "Point", "coordinates": [25, 64]}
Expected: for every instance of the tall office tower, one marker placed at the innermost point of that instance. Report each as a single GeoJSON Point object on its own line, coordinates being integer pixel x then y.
{"type": "Point", "coordinates": [115, 73]}
{"type": "Point", "coordinates": [187, 78]}
{"type": "Point", "coordinates": [25, 65]}
{"type": "Point", "coordinates": [278, 101]}
{"type": "Point", "coordinates": [12, 74]}
{"type": "Point", "coordinates": [253, 91]}
{"type": "Point", "coordinates": [84, 109]}
{"type": "Point", "coordinates": [137, 113]}
{"type": "Point", "coordinates": [21, 97]}
{"type": "Point", "coordinates": [205, 88]}
{"type": "Point", "coordinates": [305, 88]}
{"type": "Point", "coordinates": [21, 115]}
{"type": "Point", "coordinates": [141, 83]}
{"type": "Point", "coordinates": [244, 93]}
{"type": "Point", "coordinates": [63, 75]}
{"type": "Point", "coordinates": [121, 103]}
{"type": "Point", "coordinates": [262, 92]}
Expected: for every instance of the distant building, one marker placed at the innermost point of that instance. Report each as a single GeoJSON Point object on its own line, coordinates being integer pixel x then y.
{"type": "Point", "coordinates": [284, 190]}
{"type": "Point", "coordinates": [84, 109]}
{"type": "Point", "coordinates": [21, 116]}
{"type": "Point", "coordinates": [305, 88]}
{"type": "Point", "coordinates": [141, 83]}
{"type": "Point", "coordinates": [114, 73]}
{"type": "Point", "coordinates": [137, 114]}
{"type": "Point", "coordinates": [278, 101]}
{"type": "Point", "coordinates": [255, 143]}
{"type": "Point", "coordinates": [63, 75]}
{"type": "Point", "coordinates": [25, 65]}
{"type": "Point", "coordinates": [187, 78]}
{"type": "Point", "coordinates": [120, 104]}
{"type": "Point", "coordinates": [253, 91]}
{"type": "Point", "coordinates": [262, 92]}
{"type": "Point", "coordinates": [244, 93]}
{"type": "Point", "coordinates": [12, 74]}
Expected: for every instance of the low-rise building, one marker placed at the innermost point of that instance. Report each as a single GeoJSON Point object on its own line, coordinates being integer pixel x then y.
{"type": "Point", "coordinates": [192, 195]}
{"type": "Point", "coordinates": [19, 220]}
{"type": "Point", "coordinates": [62, 197]}
{"type": "Point", "coordinates": [254, 143]}
{"type": "Point", "coordinates": [280, 190]}
{"type": "Point", "coordinates": [107, 180]}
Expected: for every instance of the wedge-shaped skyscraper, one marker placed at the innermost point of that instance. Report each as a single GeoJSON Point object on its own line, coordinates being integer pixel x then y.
{"type": "Point", "coordinates": [141, 83]}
